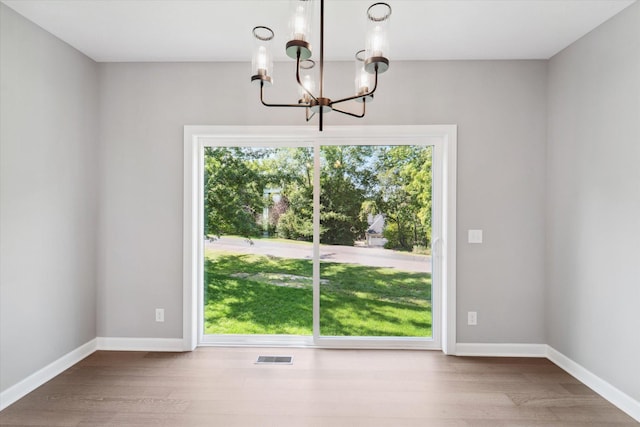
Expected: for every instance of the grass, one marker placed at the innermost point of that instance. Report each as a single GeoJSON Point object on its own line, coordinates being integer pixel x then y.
{"type": "Point", "coordinates": [255, 294]}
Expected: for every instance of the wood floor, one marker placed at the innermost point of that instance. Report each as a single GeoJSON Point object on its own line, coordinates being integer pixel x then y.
{"type": "Point", "coordinates": [223, 387]}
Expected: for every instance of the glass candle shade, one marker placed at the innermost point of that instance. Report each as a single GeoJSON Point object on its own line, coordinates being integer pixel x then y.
{"type": "Point", "coordinates": [377, 42]}
{"type": "Point", "coordinates": [307, 79]}
{"type": "Point", "coordinates": [363, 80]}
{"type": "Point", "coordinates": [301, 20]}
{"type": "Point", "coordinates": [262, 60]}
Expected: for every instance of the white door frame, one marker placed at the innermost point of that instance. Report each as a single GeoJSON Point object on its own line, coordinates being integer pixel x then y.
{"type": "Point", "coordinates": [442, 137]}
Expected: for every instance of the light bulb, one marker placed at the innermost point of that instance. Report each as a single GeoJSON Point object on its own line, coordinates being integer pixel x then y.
{"type": "Point", "coordinates": [261, 60]}
{"type": "Point", "coordinates": [363, 81]}
{"type": "Point", "coordinates": [377, 41]}
{"type": "Point", "coordinates": [299, 24]}
{"type": "Point", "coordinates": [309, 85]}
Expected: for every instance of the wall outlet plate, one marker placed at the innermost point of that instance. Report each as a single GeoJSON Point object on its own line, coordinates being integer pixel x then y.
{"type": "Point", "coordinates": [472, 318]}
{"type": "Point", "coordinates": [159, 314]}
{"type": "Point", "coordinates": [475, 236]}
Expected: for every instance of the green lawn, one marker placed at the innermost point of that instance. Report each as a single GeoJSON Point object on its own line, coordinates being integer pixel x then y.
{"type": "Point", "coordinates": [254, 294]}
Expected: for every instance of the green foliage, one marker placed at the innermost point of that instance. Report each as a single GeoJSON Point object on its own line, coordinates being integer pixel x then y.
{"type": "Point", "coordinates": [293, 169]}
{"type": "Point", "coordinates": [233, 192]}
{"type": "Point", "coordinates": [344, 183]}
{"type": "Point", "coordinates": [295, 227]}
{"type": "Point", "coordinates": [392, 236]}
{"type": "Point", "coordinates": [405, 195]}
{"type": "Point", "coordinates": [355, 182]}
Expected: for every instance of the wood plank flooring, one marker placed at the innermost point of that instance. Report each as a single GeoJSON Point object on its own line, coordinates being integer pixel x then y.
{"type": "Point", "coordinates": [224, 387]}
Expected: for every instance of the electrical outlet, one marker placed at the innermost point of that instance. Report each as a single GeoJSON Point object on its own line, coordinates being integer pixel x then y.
{"type": "Point", "coordinates": [159, 314]}
{"type": "Point", "coordinates": [475, 236]}
{"type": "Point", "coordinates": [472, 318]}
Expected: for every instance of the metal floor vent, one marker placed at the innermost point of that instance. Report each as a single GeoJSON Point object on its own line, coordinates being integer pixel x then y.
{"type": "Point", "coordinates": [274, 360]}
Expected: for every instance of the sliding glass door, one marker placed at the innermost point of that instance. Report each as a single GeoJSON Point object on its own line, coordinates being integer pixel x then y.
{"type": "Point", "coordinates": [319, 241]}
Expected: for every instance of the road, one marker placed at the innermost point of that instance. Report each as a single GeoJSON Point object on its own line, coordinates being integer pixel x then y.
{"type": "Point", "coordinates": [375, 257]}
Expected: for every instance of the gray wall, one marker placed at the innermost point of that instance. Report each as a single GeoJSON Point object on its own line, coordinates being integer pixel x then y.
{"type": "Point", "coordinates": [500, 108]}
{"type": "Point", "coordinates": [48, 198]}
{"type": "Point", "coordinates": [76, 135]}
{"type": "Point", "coordinates": [593, 215]}
{"type": "Point", "coordinates": [51, 181]}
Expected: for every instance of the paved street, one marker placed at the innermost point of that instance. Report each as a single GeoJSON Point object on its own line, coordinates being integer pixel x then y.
{"type": "Point", "coordinates": [375, 257]}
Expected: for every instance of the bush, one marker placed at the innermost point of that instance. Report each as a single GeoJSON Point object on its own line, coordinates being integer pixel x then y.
{"type": "Point", "coordinates": [291, 226]}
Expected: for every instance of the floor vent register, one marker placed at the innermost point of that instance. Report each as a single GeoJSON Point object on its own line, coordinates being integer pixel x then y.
{"type": "Point", "coordinates": [274, 360]}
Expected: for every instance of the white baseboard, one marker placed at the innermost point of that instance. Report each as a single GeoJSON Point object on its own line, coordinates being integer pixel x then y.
{"type": "Point", "coordinates": [140, 344]}
{"type": "Point", "coordinates": [501, 350]}
{"type": "Point", "coordinates": [617, 397]}
{"type": "Point", "coordinates": [35, 380]}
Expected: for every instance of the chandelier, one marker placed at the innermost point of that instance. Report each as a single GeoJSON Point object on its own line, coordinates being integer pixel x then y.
{"type": "Point", "coordinates": [370, 61]}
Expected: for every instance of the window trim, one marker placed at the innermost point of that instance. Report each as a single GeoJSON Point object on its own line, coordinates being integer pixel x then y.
{"type": "Point", "coordinates": [444, 137]}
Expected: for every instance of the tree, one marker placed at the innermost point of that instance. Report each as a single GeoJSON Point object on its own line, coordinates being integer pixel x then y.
{"type": "Point", "coordinates": [344, 181]}
{"type": "Point", "coordinates": [293, 172]}
{"type": "Point", "coordinates": [405, 195]}
{"type": "Point", "coordinates": [233, 190]}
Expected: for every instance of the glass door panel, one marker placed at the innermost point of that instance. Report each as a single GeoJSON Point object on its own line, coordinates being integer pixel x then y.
{"type": "Point", "coordinates": [375, 239]}
{"type": "Point", "coordinates": [258, 233]}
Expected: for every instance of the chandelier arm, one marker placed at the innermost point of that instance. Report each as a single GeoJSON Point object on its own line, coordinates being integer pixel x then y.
{"type": "Point", "coordinates": [309, 117]}
{"type": "Point", "coordinates": [298, 77]}
{"type": "Point", "coordinates": [267, 104]}
{"type": "Point", "coordinates": [359, 116]}
{"type": "Point", "coordinates": [370, 93]}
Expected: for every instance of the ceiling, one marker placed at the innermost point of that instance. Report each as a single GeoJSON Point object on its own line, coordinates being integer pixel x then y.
{"type": "Point", "coordinates": [220, 30]}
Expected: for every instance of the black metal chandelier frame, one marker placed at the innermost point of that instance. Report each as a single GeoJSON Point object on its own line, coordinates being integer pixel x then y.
{"type": "Point", "coordinates": [300, 50]}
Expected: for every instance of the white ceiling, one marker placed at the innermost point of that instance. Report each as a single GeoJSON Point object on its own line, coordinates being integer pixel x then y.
{"type": "Point", "coordinates": [220, 30]}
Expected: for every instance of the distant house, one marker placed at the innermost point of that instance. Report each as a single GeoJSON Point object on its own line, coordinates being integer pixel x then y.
{"type": "Point", "coordinates": [374, 232]}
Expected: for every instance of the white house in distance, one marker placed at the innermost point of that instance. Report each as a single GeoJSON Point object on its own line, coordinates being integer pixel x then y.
{"type": "Point", "coordinates": [374, 231]}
